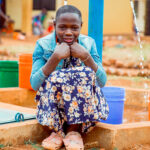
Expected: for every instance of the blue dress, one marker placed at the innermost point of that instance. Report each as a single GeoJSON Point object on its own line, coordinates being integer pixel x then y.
{"type": "Point", "coordinates": [71, 96]}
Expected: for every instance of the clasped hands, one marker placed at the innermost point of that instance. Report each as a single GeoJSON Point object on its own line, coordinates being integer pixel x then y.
{"type": "Point", "coordinates": [64, 50]}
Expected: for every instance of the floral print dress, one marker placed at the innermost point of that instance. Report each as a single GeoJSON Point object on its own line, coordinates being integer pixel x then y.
{"type": "Point", "coordinates": [70, 95]}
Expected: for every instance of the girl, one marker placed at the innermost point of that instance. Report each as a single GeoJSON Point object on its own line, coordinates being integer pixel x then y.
{"type": "Point", "coordinates": [68, 74]}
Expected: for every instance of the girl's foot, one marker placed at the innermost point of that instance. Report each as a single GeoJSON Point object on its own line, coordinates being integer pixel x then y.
{"type": "Point", "coordinates": [53, 142]}
{"type": "Point", "coordinates": [73, 141]}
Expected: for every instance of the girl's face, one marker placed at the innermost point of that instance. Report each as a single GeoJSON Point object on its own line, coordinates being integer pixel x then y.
{"type": "Point", "coordinates": [67, 27]}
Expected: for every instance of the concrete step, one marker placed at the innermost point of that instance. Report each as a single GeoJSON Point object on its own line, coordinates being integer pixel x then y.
{"type": "Point", "coordinates": [102, 136]}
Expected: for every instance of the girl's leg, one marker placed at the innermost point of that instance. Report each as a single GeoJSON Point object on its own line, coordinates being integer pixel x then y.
{"type": "Point", "coordinates": [73, 127]}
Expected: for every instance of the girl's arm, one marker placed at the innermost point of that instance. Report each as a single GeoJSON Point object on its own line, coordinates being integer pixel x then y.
{"type": "Point", "coordinates": [92, 60]}
{"type": "Point", "coordinates": [42, 69]}
{"type": "Point", "coordinates": [37, 75]}
{"type": "Point", "coordinates": [61, 51]}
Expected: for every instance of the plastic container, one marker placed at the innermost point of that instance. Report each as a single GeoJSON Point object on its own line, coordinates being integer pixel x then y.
{"type": "Point", "coordinates": [8, 73]}
{"type": "Point", "coordinates": [25, 67]}
{"type": "Point", "coordinates": [15, 35]}
{"type": "Point", "coordinates": [115, 97]}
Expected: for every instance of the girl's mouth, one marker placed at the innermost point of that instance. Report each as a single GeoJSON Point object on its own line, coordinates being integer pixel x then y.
{"type": "Point", "coordinates": [68, 40]}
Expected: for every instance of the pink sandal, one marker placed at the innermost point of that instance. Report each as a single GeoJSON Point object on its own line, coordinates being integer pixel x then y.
{"type": "Point", "coordinates": [73, 141]}
{"type": "Point", "coordinates": [53, 142]}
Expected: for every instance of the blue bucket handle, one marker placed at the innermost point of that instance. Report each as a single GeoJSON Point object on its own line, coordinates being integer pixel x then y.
{"type": "Point", "coordinates": [19, 117]}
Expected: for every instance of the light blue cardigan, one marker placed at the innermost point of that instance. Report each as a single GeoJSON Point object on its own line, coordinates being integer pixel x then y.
{"type": "Point", "coordinates": [44, 49]}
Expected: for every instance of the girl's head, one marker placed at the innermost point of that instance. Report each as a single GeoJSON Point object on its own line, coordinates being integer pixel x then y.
{"type": "Point", "coordinates": [68, 24]}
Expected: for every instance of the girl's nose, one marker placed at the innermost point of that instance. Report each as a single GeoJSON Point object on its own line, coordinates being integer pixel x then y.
{"type": "Point", "coordinates": [68, 32]}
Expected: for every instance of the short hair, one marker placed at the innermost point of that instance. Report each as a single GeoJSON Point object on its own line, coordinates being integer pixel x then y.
{"type": "Point", "coordinates": [68, 9]}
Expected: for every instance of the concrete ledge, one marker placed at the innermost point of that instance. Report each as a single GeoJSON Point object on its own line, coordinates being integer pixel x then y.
{"type": "Point", "coordinates": [18, 133]}
{"type": "Point", "coordinates": [18, 108]}
{"type": "Point", "coordinates": [119, 136]}
{"type": "Point", "coordinates": [25, 97]}
{"type": "Point", "coordinates": [18, 96]}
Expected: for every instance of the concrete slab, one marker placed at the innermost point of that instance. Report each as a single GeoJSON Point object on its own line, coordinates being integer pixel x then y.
{"type": "Point", "coordinates": [102, 136]}
{"type": "Point", "coordinates": [130, 82]}
{"type": "Point", "coordinates": [119, 136]}
{"type": "Point", "coordinates": [18, 133]}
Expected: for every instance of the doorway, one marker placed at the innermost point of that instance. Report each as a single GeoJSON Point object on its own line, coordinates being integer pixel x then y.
{"type": "Point", "coordinates": [3, 7]}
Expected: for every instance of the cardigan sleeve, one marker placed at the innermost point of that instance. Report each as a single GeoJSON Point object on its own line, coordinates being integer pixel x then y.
{"type": "Point", "coordinates": [37, 76]}
{"type": "Point", "coordinates": [100, 73]}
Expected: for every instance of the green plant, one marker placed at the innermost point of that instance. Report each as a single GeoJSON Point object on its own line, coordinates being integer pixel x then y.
{"type": "Point", "coordinates": [1, 145]}
{"type": "Point", "coordinates": [34, 145]}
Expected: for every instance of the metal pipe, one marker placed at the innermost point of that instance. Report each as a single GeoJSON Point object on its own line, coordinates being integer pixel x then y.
{"type": "Point", "coordinates": [95, 23]}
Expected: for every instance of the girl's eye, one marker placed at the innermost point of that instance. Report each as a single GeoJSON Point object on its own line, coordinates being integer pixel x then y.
{"type": "Point", "coordinates": [62, 28]}
{"type": "Point", "coordinates": [75, 28]}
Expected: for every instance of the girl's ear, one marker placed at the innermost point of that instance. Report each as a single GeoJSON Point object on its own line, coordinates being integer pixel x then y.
{"type": "Point", "coordinates": [54, 22]}
{"type": "Point", "coordinates": [81, 24]}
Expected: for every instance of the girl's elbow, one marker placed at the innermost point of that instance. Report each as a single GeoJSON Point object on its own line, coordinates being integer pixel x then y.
{"type": "Point", "coordinates": [102, 84]}
{"type": "Point", "coordinates": [102, 81]}
{"type": "Point", "coordinates": [105, 80]}
{"type": "Point", "coordinates": [34, 87]}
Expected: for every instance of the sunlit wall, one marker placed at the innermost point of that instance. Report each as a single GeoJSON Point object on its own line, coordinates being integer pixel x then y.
{"type": "Point", "coordinates": [118, 18]}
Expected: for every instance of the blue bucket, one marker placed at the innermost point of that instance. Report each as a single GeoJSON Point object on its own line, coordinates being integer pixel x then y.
{"type": "Point", "coordinates": [115, 97]}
